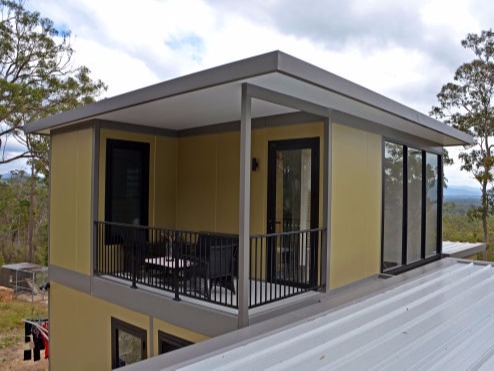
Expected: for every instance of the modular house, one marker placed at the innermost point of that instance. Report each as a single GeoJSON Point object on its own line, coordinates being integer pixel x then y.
{"type": "Point", "coordinates": [220, 199]}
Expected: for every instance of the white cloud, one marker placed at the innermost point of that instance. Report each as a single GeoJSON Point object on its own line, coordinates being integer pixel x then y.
{"type": "Point", "coordinates": [456, 176]}
{"type": "Point", "coordinates": [405, 50]}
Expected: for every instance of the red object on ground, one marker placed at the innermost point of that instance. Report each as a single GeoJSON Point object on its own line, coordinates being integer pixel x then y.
{"type": "Point", "coordinates": [45, 340]}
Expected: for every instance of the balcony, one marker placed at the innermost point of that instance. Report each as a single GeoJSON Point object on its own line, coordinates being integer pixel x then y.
{"type": "Point", "coordinates": [204, 265]}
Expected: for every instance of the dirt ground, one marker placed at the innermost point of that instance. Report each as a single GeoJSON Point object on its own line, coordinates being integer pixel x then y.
{"type": "Point", "coordinates": [11, 357]}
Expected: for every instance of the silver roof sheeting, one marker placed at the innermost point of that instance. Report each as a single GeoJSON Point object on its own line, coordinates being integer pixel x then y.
{"type": "Point", "coordinates": [213, 97]}
{"type": "Point", "coordinates": [440, 319]}
{"type": "Point", "coordinates": [462, 249]}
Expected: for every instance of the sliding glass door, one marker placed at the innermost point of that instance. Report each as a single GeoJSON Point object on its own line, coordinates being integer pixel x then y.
{"type": "Point", "coordinates": [411, 206]}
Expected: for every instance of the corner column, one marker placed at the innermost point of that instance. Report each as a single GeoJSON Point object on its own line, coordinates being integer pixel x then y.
{"type": "Point", "coordinates": [244, 210]}
{"type": "Point", "coordinates": [94, 197]}
{"type": "Point", "coordinates": [326, 204]}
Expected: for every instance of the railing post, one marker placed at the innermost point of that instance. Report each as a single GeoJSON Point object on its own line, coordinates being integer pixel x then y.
{"type": "Point", "coordinates": [133, 264]}
{"type": "Point", "coordinates": [175, 255]}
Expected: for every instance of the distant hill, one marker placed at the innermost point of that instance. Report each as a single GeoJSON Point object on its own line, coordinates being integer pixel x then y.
{"type": "Point", "coordinates": [460, 191]}
{"type": "Point", "coordinates": [462, 195]}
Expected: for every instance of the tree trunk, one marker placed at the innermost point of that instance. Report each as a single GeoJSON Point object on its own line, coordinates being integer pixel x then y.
{"type": "Point", "coordinates": [485, 215]}
{"type": "Point", "coordinates": [30, 226]}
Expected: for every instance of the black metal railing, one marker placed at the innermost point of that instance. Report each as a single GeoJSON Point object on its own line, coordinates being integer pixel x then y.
{"type": "Point", "coordinates": [284, 265]}
{"type": "Point", "coordinates": [204, 265]}
{"type": "Point", "coordinates": [201, 265]}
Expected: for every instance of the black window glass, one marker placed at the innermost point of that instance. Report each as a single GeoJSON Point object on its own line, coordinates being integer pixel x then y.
{"type": "Point", "coordinates": [169, 343]}
{"type": "Point", "coordinates": [128, 343]}
{"type": "Point", "coordinates": [127, 182]}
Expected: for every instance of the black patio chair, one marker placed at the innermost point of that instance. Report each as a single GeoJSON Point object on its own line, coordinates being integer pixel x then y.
{"type": "Point", "coordinates": [213, 263]}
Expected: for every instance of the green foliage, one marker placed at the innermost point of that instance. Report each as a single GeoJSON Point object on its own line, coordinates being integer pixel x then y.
{"type": "Point", "coordinates": [37, 78]}
{"type": "Point", "coordinates": [14, 218]}
{"type": "Point", "coordinates": [467, 104]}
{"type": "Point", "coordinates": [458, 226]}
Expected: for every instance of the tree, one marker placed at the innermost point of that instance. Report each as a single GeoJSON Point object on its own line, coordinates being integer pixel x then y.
{"type": "Point", "coordinates": [37, 79]}
{"type": "Point", "coordinates": [467, 104]}
{"type": "Point", "coordinates": [17, 205]}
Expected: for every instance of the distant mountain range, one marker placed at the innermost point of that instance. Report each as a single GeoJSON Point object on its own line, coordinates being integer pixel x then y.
{"type": "Point", "coordinates": [460, 191]}
{"type": "Point", "coordinates": [462, 196]}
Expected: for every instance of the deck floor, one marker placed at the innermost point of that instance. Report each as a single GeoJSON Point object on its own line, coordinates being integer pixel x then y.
{"type": "Point", "coordinates": [262, 293]}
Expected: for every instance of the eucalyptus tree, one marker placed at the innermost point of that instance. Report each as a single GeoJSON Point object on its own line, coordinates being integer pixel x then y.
{"type": "Point", "coordinates": [37, 79]}
{"type": "Point", "coordinates": [466, 103]}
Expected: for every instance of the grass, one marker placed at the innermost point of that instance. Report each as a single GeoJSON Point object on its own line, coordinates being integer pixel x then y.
{"type": "Point", "coordinates": [12, 314]}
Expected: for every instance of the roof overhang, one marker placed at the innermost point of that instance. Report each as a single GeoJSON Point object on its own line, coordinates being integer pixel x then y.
{"type": "Point", "coordinates": [213, 96]}
{"type": "Point", "coordinates": [462, 249]}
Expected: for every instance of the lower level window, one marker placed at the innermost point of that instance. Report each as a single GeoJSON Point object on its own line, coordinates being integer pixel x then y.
{"type": "Point", "coordinates": [411, 207]}
{"type": "Point", "coordinates": [128, 343]}
{"type": "Point", "coordinates": [168, 343]}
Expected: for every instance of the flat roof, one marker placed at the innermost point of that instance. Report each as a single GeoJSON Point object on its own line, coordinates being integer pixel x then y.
{"type": "Point", "coordinates": [213, 97]}
{"type": "Point", "coordinates": [438, 317]}
{"type": "Point", "coordinates": [462, 249]}
{"type": "Point", "coordinates": [24, 266]}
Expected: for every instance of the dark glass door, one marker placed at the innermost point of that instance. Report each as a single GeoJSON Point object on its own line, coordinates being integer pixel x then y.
{"type": "Point", "coordinates": [293, 205]}
{"type": "Point", "coordinates": [127, 191]}
{"type": "Point", "coordinates": [127, 182]}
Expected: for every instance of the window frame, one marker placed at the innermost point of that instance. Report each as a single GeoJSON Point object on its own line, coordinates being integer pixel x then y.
{"type": "Point", "coordinates": [119, 325]}
{"type": "Point", "coordinates": [144, 147]}
{"type": "Point", "coordinates": [166, 338]}
{"type": "Point", "coordinates": [404, 231]}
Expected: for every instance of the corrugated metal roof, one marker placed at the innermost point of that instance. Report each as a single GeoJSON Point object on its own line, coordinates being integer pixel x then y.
{"type": "Point", "coordinates": [441, 320]}
{"type": "Point", "coordinates": [462, 249]}
{"type": "Point", "coordinates": [25, 267]}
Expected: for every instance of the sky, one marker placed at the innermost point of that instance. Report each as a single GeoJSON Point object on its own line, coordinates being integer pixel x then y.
{"type": "Point", "coordinates": [405, 50]}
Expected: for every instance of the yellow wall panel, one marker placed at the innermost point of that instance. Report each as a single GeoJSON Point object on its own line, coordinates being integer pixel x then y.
{"type": "Point", "coordinates": [165, 199]}
{"type": "Point", "coordinates": [70, 200]}
{"type": "Point", "coordinates": [197, 183]}
{"type": "Point", "coordinates": [208, 177]}
{"type": "Point", "coordinates": [81, 328]}
{"type": "Point", "coordinates": [82, 324]}
{"type": "Point", "coordinates": [356, 205]}
{"type": "Point", "coordinates": [228, 183]}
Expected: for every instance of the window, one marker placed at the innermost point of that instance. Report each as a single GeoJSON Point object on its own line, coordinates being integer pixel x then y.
{"type": "Point", "coordinates": [393, 206]}
{"type": "Point", "coordinates": [128, 343]}
{"type": "Point", "coordinates": [431, 205]}
{"type": "Point", "coordinates": [411, 207]}
{"type": "Point", "coordinates": [127, 182]}
{"type": "Point", "coordinates": [168, 343]}
{"type": "Point", "coordinates": [414, 205]}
